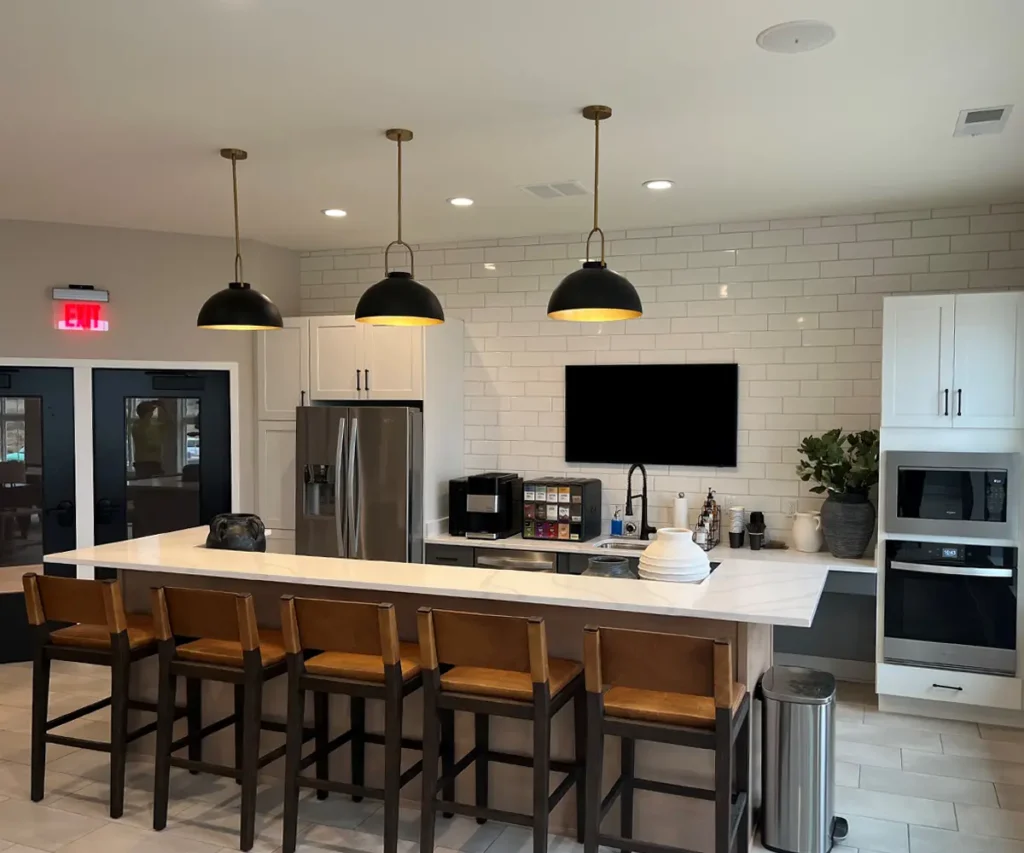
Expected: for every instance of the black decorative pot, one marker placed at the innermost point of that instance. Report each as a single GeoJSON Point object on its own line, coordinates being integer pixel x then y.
{"type": "Point", "coordinates": [231, 531]}
{"type": "Point", "coordinates": [610, 567]}
{"type": "Point", "coordinates": [847, 522]}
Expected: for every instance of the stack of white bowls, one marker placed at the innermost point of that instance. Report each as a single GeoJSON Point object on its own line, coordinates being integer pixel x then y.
{"type": "Point", "coordinates": [674, 556]}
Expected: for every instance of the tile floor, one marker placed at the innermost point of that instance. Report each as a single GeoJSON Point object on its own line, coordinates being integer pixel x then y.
{"type": "Point", "coordinates": [906, 785]}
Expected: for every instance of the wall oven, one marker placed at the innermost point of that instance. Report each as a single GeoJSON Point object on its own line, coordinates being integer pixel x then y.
{"type": "Point", "coordinates": [951, 605]}
{"type": "Point", "coordinates": [970, 495]}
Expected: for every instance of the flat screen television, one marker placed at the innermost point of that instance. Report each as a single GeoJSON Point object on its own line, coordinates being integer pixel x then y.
{"type": "Point", "coordinates": [656, 414]}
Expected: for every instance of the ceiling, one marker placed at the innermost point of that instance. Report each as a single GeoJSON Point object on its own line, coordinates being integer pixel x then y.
{"type": "Point", "coordinates": [112, 112]}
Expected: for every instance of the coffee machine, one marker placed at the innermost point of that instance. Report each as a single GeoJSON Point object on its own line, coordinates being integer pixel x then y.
{"type": "Point", "coordinates": [493, 505]}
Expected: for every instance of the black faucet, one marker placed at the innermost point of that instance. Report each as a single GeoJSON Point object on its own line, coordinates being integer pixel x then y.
{"type": "Point", "coordinates": [645, 529]}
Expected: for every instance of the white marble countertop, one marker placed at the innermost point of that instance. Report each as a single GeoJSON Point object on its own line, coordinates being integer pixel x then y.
{"type": "Point", "coordinates": [721, 553]}
{"type": "Point", "coordinates": [739, 590]}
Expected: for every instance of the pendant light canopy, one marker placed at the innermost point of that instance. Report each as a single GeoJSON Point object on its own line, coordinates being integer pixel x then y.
{"type": "Point", "coordinates": [595, 294]}
{"type": "Point", "coordinates": [238, 307]}
{"type": "Point", "coordinates": [398, 299]}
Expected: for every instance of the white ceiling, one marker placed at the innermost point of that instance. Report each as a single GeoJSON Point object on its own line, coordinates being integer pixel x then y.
{"type": "Point", "coordinates": [112, 112]}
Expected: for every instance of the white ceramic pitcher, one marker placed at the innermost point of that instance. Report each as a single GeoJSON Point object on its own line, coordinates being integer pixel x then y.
{"type": "Point", "coordinates": [807, 531]}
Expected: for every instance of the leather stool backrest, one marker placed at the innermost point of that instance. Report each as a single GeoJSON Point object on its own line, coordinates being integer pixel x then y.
{"type": "Point", "coordinates": [88, 602]}
{"type": "Point", "coordinates": [454, 638]}
{"type": "Point", "coordinates": [206, 613]}
{"type": "Point", "coordinates": [646, 660]}
{"type": "Point", "coordinates": [352, 627]}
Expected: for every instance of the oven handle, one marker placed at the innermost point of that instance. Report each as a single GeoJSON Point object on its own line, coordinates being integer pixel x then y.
{"type": "Point", "coordinates": [928, 569]}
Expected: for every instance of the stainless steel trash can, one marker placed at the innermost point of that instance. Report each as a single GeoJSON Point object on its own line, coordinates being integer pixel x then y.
{"type": "Point", "coordinates": [798, 766]}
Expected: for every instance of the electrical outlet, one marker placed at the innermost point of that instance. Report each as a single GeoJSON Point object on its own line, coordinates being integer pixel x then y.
{"type": "Point", "coordinates": [789, 506]}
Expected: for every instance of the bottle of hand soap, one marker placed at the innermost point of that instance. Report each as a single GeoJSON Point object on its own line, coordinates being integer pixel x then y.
{"type": "Point", "coordinates": [617, 522]}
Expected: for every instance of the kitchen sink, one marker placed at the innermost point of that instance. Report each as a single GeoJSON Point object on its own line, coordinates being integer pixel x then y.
{"type": "Point", "coordinates": [622, 544]}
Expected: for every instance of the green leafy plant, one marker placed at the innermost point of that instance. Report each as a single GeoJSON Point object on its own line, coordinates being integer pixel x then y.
{"type": "Point", "coordinates": [840, 464]}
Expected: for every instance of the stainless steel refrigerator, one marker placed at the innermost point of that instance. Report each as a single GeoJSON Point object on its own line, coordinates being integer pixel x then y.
{"type": "Point", "coordinates": [360, 482]}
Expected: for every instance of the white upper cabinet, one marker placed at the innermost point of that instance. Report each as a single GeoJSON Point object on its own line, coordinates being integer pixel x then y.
{"type": "Point", "coordinates": [282, 370]}
{"type": "Point", "coordinates": [988, 361]}
{"type": "Point", "coordinates": [954, 361]}
{"type": "Point", "coordinates": [393, 363]}
{"type": "Point", "coordinates": [335, 358]}
{"type": "Point", "coordinates": [275, 474]}
{"type": "Point", "coordinates": [917, 361]}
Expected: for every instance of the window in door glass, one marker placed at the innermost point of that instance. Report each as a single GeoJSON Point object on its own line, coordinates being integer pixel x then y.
{"type": "Point", "coordinates": [21, 482]}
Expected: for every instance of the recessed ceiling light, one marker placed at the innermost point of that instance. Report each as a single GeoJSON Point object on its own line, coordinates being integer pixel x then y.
{"type": "Point", "coordinates": [460, 201]}
{"type": "Point", "coordinates": [659, 185]}
{"type": "Point", "coordinates": [335, 212]}
{"type": "Point", "coordinates": [796, 36]}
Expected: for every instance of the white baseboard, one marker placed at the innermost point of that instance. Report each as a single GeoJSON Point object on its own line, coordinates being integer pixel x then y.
{"type": "Point", "coordinates": [843, 670]}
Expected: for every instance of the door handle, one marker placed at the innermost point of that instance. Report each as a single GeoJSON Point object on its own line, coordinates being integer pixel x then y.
{"type": "Point", "coordinates": [367, 379]}
{"type": "Point", "coordinates": [105, 510]}
{"type": "Point", "coordinates": [959, 400]}
{"type": "Point", "coordinates": [946, 392]}
{"type": "Point", "coordinates": [947, 687]}
{"type": "Point", "coordinates": [359, 381]}
{"type": "Point", "coordinates": [353, 505]}
{"type": "Point", "coordinates": [513, 563]}
{"type": "Point", "coordinates": [65, 512]}
{"type": "Point", "coordinates": [339, 457]}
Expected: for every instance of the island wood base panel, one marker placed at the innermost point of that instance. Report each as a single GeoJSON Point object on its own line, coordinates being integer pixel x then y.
{"type": "Point", "coordinates": [659, 818]}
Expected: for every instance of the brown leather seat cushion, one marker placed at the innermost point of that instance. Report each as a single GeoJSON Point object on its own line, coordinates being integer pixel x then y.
{"type": "Point", "coordinates": [655, 706]}
{"type": "Point", "coordinates": [140, 633]}
{"type": "Point", "coordinates": [506, 684]}
{"type": "Point", "coordinates": [364, 667]}
{"type": "Point", "coordinates": [228, 653]}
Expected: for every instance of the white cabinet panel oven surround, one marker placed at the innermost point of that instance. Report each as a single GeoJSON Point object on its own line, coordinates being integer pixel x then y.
{"type": "Point", "coordinates": [941, 685]}
{"type": "Point", "coordinates": [282, 370]}
{"type": "Point", "coordinates": [335, 358]}
{"type": "Point", "coordinates": [954, 361]}
{"type": "Point", "coordinates": [355, 361]}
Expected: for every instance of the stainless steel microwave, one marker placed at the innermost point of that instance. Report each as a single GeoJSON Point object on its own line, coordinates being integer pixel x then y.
{"type": "Point", "coordinates": [971, 495]}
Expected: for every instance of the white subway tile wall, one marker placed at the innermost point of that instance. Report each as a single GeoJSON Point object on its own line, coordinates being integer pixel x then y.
{"type": "Point", "coordinates": [797, 303]}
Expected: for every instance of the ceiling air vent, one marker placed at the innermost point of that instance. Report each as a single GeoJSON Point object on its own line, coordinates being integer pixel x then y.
{"type": "Point", "coordinates": [561, 189]}
{"type": "Point", "coordinates": [984, 120]}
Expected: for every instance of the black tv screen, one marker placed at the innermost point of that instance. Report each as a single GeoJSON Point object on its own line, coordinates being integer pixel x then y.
{"type": "Point", "coordinates": [656, 414]}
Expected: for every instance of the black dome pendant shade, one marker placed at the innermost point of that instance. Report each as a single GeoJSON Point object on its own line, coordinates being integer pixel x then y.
{"type": "Point", "coordinates": [398, 299]}
{"type": "Point", "coordinates": [238, 307]}
{"type": "Point", "coordinates": [595, 294]}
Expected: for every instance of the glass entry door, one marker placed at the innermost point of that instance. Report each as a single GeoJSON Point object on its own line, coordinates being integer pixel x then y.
{"type": "Point", "coordinates": [37, 488]}
{"type": "Point", "coordinates": [162, 458]}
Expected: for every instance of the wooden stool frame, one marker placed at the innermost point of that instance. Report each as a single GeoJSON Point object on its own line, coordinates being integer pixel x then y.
{"type": "Point", "coordinates": [730, 740]}
{"type": "Point", "coordinates": [441, 705]}
{"type": "Point", "coordinates": [392, 691]}
{"type": "Point", "coordinates": [118, 658]}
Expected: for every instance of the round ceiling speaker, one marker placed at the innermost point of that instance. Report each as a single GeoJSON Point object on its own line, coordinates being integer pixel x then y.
{"type": "Point", "coordinates": [796, 36]}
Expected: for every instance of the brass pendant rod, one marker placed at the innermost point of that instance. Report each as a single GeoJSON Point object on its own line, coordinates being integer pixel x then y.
{"type": "Point", "coordinates": [400, 189]}
{"type": "Point", "coordinates": [239, 275]}
{"type": "Point", "coordinates": [597, 166]}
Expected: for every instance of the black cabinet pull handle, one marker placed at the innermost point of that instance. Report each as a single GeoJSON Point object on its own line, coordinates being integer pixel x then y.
{"type": "Point", "coordinates": [367, 379]}
{"type": "Point", "coordinates": [946, 392]}
{"type": "Point", "coordinates": [438, 559]}
{"type": "Point", "coordinates": [947, 687]}
{"type": "Point", "coordinates": [359, 386]}
{"type": "Point", "coordinates": [959, 400]}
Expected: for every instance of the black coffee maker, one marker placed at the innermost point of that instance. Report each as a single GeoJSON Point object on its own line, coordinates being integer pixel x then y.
{"type": "Point", "coordinates": [494, 505]}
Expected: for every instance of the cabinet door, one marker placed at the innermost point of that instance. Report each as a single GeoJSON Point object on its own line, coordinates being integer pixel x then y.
{"type": "Point", "coordinates": [335, 358]}
{"type": "Point", "coordinates": [987, 365]}
{"type": "Point", "coordinates": [275, 474]}
{"type": "Point", "coordinates": [282, 370]}
{"type": "Point", "coordinates": [393, 358]}
{"type": "Point", "coordinates": [917, 361]}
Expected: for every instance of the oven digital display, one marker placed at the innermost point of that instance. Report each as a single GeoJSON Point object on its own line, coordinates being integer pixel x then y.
{"type": "Point", "coordinates": [951, 553]}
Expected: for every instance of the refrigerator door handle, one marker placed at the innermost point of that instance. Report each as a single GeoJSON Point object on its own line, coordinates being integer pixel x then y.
{"type": "Point", "coordinates": [339, 458]}
{"type": "Point", "coordinates": [353, 506]}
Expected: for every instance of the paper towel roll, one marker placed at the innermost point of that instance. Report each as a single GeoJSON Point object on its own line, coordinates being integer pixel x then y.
{"type": "Point", "coordinates": [680, 511]}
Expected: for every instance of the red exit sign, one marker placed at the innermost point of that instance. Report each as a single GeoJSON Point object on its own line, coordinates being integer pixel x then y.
{"type": "Point", "coordinates": [81, 317]}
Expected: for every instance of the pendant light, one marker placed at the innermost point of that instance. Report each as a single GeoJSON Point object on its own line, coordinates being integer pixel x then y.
{"type": "Point", "coordinates": [595, 294]}
{"type": "Point", "coordinates": [238, 307]}
{"type": "Point", "coordinates": [398, 299]}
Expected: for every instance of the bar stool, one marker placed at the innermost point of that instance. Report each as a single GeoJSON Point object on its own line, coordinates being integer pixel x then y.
{"type": "Point", "coordinates": [670, 689]}
{"type": "Point", "coordinates": [355, 652]}
{"type": "Point", "coordinates": [103, 635]}
{"type": "Point", "coordinates": [495, 665]}
{"type": "Point", "coordinates": [229, 649]}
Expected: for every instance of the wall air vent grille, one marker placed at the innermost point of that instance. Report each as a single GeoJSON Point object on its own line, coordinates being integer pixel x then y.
{"type": "Point", "coordinates": [560, 189]}
{"type": "Point", "coordinates": [984, 120]}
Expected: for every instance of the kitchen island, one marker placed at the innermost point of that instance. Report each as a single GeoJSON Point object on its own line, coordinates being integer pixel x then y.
{"type": "Point", "coordinates": [739, 602]}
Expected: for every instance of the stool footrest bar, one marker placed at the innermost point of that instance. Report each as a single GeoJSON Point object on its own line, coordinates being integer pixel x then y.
{"type": "Point", "coordinates": [609, 798]}
{"type": "Point", "coordinates": [639, 846]}
{"type": "Point", "coordinates": [341, 788]}
{"type": "Point", "coordinates": [78, 743]}
{"type": "Point", "coordinates": [673, 789]}
{"type": "Point", "coordinates": [484, 812]}
{"type": "Point", "coordinates": [71, 716]}
{"type": "Point", "coordinates": [563, 788]}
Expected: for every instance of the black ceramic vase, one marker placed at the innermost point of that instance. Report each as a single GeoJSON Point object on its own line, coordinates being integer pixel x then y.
{"type": "Point", "coordinates": [847, 522]}
{"type": "Point", "coordinates": [241, 531]}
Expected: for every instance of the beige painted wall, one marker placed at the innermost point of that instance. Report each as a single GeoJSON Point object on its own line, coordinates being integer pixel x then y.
{"type": "Point", "coordinates": [157, 283]}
